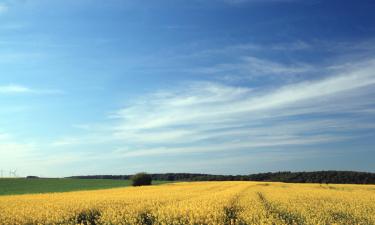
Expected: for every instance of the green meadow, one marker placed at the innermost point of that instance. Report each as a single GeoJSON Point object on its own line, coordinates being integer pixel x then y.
{"type": "Point", "coordinates": [14, 186]}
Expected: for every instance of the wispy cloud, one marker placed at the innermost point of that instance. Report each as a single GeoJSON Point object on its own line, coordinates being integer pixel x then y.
{"type": "Point", "coordinates": [345, 48]}
{"type": "Point", "coordinates": [211, 117]}
{"type": "Point", "coordinates": [20, 89]}
{"type": "Point", "coordinates": [12, 88]}
{"type": "Point", "coordinates": [252, 68]}
{"type": "Point", "coordinates": [260, 66]}
{"type": "Point", "coordinates": [217, 118]}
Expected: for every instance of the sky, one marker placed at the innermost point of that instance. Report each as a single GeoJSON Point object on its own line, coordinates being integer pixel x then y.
{"type": "Point", "coordinates": [218, 86]}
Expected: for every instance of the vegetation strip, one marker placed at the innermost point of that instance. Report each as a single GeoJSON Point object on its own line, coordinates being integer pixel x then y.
{"type": "Point", "coordinates": [322, 177]}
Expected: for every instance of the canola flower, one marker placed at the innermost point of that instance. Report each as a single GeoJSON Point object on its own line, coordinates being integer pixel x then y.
{"type": "Point", "coordinates": [206, 203]}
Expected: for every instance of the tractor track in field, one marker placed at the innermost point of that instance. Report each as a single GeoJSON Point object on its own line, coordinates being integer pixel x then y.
{"type": "Point", "coordinates": [288, 217]}
{"type": "Point", "coordinates": [232, 210]}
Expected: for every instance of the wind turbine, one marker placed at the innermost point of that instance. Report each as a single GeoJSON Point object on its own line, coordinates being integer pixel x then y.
{"type": "Point", "coordinates": [13, 173]}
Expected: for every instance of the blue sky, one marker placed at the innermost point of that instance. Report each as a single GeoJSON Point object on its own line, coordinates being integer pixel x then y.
{"type": "Point", "coordinates": [221, 86]}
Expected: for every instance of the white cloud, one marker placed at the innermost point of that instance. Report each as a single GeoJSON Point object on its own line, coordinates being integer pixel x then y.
{"type": "Point", "coordinates": [259, 66]}
{"type": "Point", "coordinates": [212, 101]}
{"type": "Point", "coordinates": [229, 147]}
{"type": "Point", "coordinates": [9, 89]}
{"type": "Point", "coordinates": [209, 117]}
{"type": "Point", "coordinates": [214, 118]}
{"type": "Point", "coordinates": [20, 89]}
{"type": "Point", "coordinates": [250, 67]}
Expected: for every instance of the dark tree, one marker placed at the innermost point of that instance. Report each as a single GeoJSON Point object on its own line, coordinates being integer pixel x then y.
{"type": "Point", "coordinates": [141, 179]}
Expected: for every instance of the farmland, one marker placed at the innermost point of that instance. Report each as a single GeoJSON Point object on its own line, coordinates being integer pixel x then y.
{"type": "Point", "coordinates": [12, 186]}
{"type": "Point", "coordinates": [28, 186]}
{"type": "Point", "coordinates": [198, 203]}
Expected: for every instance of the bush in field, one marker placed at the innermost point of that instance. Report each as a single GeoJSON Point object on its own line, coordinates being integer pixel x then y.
{"type": "Point", "coordinates": [141, 179]}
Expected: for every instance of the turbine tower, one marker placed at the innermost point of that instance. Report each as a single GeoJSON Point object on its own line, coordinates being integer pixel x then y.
{"type": "Point", "coordinates": [13, 173]}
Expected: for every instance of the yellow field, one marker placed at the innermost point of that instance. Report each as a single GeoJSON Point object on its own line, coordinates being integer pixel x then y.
{"type": "Point", "coordinates": [198, 203]}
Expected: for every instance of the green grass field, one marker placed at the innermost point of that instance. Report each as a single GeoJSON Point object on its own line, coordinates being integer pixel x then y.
{"type": "Point", "coordinates": [14, 186]}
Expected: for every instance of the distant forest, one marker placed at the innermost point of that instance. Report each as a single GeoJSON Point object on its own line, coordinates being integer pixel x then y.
{"type": "Point", "coordinates": [324, 177]}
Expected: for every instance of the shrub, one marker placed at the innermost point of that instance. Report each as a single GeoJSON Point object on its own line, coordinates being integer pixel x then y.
{"type": "Point", "coordinates": [141, 179]}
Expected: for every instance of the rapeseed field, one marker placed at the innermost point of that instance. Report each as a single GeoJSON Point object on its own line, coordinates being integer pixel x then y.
{"type": "Point", "coordinates": [206, 203]}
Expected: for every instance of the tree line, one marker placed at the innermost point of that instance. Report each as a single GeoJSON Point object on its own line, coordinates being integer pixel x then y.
{"type": "Point", "coordinates": [331, 177]}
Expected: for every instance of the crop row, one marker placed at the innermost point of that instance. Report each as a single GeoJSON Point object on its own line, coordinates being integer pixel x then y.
{"type": "Point", "coordinates": [198, 203]}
